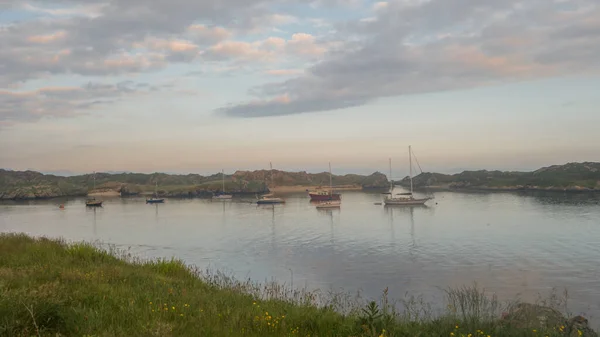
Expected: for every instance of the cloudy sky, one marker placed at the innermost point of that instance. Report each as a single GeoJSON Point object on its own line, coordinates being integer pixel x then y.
{"type": "Point", "coordinates": [197, 85]}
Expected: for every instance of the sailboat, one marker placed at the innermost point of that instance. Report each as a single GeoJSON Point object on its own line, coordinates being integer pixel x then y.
{"type": "Point", "coordinates": [330, 203]}
{"type": "Point", "coordinates": [155, 199]}
{"type": "Point", "coordinates": [409, 200]}
{"type": "Point", "coordinates": [321, 195]}
{"type": "Point", "coordinates": [269, 199]}
{"type": "Point", "coordinates": [222, 195]}
{"type": "Point", "coordinates": [92, 202]}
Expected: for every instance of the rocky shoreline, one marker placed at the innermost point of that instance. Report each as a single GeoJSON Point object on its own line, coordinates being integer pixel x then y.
{"type": "Point", "coordinates": [29, 185]}
{"type": "Point", "coordinates": [573, 189]}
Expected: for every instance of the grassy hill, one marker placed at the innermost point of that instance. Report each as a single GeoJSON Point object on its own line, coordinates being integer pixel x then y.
{"type": "Point", "coordinates": [34, 185]}
{"type": "Point", "coordinates": [570, 177]}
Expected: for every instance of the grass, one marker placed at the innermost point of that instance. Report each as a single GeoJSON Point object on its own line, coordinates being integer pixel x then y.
{"type": "Point", "coordinates": [50, 288]}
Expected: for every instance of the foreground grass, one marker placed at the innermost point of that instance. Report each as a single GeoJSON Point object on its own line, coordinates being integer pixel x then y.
{"type": "Point", "coordinates": [49, 288]}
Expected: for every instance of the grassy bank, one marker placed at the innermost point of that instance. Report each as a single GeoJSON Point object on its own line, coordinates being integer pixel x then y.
{"type": "Point", "coordinates": [49, 288]}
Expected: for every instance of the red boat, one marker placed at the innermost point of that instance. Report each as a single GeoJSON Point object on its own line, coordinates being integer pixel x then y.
{"type": "Point", "coordinates": [323, 196]}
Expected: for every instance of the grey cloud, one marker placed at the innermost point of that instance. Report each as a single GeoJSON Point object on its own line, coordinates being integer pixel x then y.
{"type": "Point", "coordinates": [60, 102]}
{"type": "Point", "coordinates": [102, 44]}
{"type": "Point", "coordinates": [439, 45]}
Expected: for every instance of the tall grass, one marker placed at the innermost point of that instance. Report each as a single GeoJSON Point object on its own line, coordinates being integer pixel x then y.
{"type": "Point", "coordinates": [50, 288]}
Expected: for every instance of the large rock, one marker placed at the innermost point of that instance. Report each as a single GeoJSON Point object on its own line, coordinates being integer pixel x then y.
{"type": "Point", "coordinates": [533, 316]}
{"type": "Point", "coordinates": [578, 326]}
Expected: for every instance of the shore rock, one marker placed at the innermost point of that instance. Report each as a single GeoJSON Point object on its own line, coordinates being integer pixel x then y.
{"type": "Point", "coordinates": [533, 316]}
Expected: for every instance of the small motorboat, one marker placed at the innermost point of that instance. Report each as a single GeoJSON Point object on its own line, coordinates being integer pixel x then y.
{"type": "Point", "coordinates": [270, 201]}
{"type": "Point", "coordinates": [92, 202]}
{"type": "Point", "coordinates": [155, 201]}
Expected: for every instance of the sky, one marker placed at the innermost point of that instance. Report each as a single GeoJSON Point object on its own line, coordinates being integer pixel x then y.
{"type": "Point", "coordinates": [196, 86]}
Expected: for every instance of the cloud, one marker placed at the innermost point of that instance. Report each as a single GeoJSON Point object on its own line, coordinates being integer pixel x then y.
{"type": "Point", "coordinates": [61, 102]}
{"type": "Point", "coordinates": [284, 72]}
{"type": "Point", "coordinates": [205, 34]}
{"type": "Point", "coordinates": [300, 45]}
{"type": "Point", "coordinates": [47, 38]}
{"type": "Point", "coordinates": [90, 10]}
{"type": "Point", "coordinates": [87, 38]}
{"type": "Point", "coordinates": [426, 46]}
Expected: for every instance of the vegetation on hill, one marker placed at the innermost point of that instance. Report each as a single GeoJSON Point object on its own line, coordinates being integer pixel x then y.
{"type": "Point", "coordinates": [32, 185]}
{"type": "Point", "coordinates": [50, 288]}
{"type": "Point", "coordinates": [570, 177]}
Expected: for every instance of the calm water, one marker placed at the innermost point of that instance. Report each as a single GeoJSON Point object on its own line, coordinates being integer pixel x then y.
{"type": "Point", "coordinates": [514, 245]}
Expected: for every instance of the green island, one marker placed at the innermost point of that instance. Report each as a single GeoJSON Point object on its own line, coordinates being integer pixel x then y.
{"type": "Point", "coordinates": [51, 288]}
{"type": "Point", "coordinates": [571, 177]}
{"type": "Point", "coordinates": [15, 185]}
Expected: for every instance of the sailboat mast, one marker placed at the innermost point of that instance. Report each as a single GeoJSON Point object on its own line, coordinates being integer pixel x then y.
{"type": "Point", "coordinates": [391, 181]}
{"type": "Point", "coordinates": [330, 181]}
{"type": "Point", "coordinates": [223, 176]}
{"type": "Point", "coordinates": [94, 180]}
{"type": "Point", "coordinates": [156, 188]}
{"type": "Point", "coordinates": [271, 166]}
{"type": "Point", "coordinates": [410, 165]}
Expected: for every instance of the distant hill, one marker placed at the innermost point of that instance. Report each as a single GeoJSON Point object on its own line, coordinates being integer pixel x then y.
{"type": "Point", "coordinates": [569, 177]}
{"type": "Point", "coordinates": [35, 185]}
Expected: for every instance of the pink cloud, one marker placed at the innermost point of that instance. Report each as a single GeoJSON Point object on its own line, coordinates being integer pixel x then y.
{"type": "Point", "coordinates": [47, 38]}
{"type": "Point", "coordinates": [206, 33]}
{"type": "Point", "coordinates": [284, 72]}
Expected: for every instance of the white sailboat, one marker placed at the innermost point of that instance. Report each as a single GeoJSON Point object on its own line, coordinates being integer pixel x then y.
{"type": "Point", "coordinates": [409, 199]}
{"type": "Point", "coordinates": [223, 195]}
{"type": "Point", "coordinates": [330, 203]}
{"type": "Point", "coordinates": [269, 199]}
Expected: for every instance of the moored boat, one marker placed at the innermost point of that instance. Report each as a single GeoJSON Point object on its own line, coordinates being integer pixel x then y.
{"type": "Point", "coordinates": [329, 204]}
{"type": "Point", "coordinates": [155, 199]}
{"type": "Point", "coordinates": [323, 195]}
{"type": "Point", "coordinates": [92, 202]}
{"type": "Point", "coordinates": [270, 201]}
{"type": "Point", "coordinates": [407, 199]}
{"type": "Point", "coordinates": [222, 195]}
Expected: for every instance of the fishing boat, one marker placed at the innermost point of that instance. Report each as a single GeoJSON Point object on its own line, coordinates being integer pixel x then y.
{"type": "Point", "coordinates": [222, 195]}
{"type": "Point", "coordinates": [330, 203]}
{"type": "Point", "coordinates": [405, 199]}
{"type": "Point", "coordinates": [92, 202]}
{"type": "Point", "coordinates": [324, 195]}
{"type": "Point", "coordinates": [155, 199]}
{"type": "Point", "coordinates": [270, 199]}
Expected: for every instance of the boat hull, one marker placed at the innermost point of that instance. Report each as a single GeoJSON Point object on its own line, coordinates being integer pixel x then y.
{"type": "Point", "coordinates": [324, 197]}
{"type": "Point", "coordinates": [270, 202]}
{"type": "Point", "coordinates": [326, 205]}
{"type": "Point", "coordinates": [223, 197]}
{"type": "Point", "coordinates": [155, 201]}
{"type": "Point", "coordinates": [407, 202]}
{"type": "Point", "coordinates": [93, 203]}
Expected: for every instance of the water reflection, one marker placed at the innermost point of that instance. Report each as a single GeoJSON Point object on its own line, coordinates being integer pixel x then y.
{"type": "Point", "coordinates": [508, 243]}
